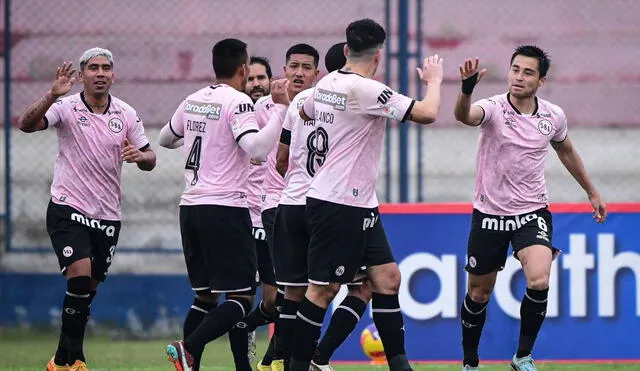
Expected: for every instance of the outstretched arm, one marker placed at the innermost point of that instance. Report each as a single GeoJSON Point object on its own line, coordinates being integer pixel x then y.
{"type": "Point", "coordinates": [470, 76]}
{"type": "Point", "coordinates": [571, 160]}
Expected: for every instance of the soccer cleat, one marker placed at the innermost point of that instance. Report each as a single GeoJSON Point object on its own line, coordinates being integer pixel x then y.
{"type": "Point", "coordinates": [251, 354]}
{"type": "Point", "coordinates": [469, 368]}
{"type": "Point", "coordinates": [261, 367]}
{"type": "Point", "coordinates": [277, 365]}
{"type": "Point", "coordinates": [78, 366]}
{"type": "Point", "coordinates": [316, 367]}
{"type": "Point", "coordinates": [51, 366]}
{"type": "Point", "coordinates": [180, 357]}
{"type": "Point", "coordinates": [523, 364]}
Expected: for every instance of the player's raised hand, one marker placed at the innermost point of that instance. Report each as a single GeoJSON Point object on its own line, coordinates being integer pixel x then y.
{"type": "Point", "coordinates": [431, 71]}
{"type": "Point", "coordinates": [599, 208]}
{"type": "Point", "coordinates": [279, 91]}
{"type": "Point", "coordinates": [470, 75]}
{"type": "Point", "coordinates": [130, 153]}
{"type": "Point", "coordinates": [66, 76]}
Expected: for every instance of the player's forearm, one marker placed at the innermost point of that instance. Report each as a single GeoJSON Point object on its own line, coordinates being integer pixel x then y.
{"type": "Point", "coordinates": [573, 163]}
{"type": "Point", "coordinates": [168, 139]}
{"type": "Point", "coordinates": [462, 109]}
{"type": "Point", "coordinates": [31, 118]}
{"type": "Point", "coordinates": [258, 145]}
{"type": "Point", "coordinates": [148, 161]}
{"type": "Point", "coordinates": [425, 111]}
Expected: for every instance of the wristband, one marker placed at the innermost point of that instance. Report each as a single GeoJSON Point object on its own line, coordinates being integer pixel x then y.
{"type": "Point", "coordinates": [469, 83]}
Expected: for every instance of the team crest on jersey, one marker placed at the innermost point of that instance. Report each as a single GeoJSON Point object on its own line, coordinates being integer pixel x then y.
{"type": "Point", "coordinates": [116, 125]}
{"type": "Point", "coordinates": [545, 127]}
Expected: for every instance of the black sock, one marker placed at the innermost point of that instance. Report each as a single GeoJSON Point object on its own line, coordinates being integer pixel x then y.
{"type": "Point", "coordinates": [533, 310]}
{"type": "Point", "coordinates": [287, 325]}
{"type": "Point", "coordinates": [268, 355]}
{"type": "Point", "coordinates": [390, 325]}
{"type": "Point", "coordinates": [343, 321]}
{"type": "Point", "coordinates": [307, 331]}
{"type": "Point", "coordinates": [216, 323]}
{"type": "Point", "coordinates": [258, 317]}
{"type": "Point", "coordinates": [199, 309]}
{"type": "Point", "coordinates": [473, 316]}
{"type": "Point", "coordinates": [75, 311]}
{"type": "Point", "coordinates": [276, 352]}
{"type": "Point", "coordinates": [239, 342]}
{"type": "Point", "coordinates": [92, 295]}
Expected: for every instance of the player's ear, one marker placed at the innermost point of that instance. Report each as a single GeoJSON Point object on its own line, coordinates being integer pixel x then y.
{"type": "Point", "coordinates": [542, 81]}
{"type": "Point", "coordinates": [345, 50]}
{"type": "Point", "coordinates": [378, 56]}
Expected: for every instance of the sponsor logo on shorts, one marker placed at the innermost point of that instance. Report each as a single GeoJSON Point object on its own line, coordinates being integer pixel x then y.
{"type": "Point", "coordinates": [259, 233]}
{"type": "Point", "coordinates": [67, 251]}
{"type": "Point", "coordinates": [340, 271]}
{"type": "Point", "coordinates": [116, 125]}
{"type": "Point", "coordinates": [543, 235]}
{"type": "Point", "coordinates": [507, 223]}
{"type": "Point", "coordinates": [110, 230]}
{"type": "Point", "coordinates": [369, 222]}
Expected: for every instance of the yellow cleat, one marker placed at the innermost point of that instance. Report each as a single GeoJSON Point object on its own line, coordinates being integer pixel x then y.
{"type": "Point", "coordinates": [261, 367]}
{"type": "Point", "coordinates": [78, 366]}
{"type": "Point", "coordinates": [51, 366]}
{"type": "Point", "coordinates": [277, 365]}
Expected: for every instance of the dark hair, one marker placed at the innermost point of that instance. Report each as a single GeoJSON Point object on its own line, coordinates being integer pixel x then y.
{"type": "Point", "coordinates": [263, 61]}
{"type": "Point", "coordinates": [544, 62]}
{"type": "Point", "coordinates": [335, 59]}
{"type": "Point", "coordinates": [305, 49]}
{"type": "Point", "coordinates": [364, 34]}
{"type": "Point", "coordinates": [227, 56]}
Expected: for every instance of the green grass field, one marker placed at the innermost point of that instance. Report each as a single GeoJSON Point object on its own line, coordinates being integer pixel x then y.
{"type": "Point", "coordinates": [28, 352]}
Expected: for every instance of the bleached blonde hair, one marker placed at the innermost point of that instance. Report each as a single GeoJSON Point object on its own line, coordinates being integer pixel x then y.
{"type": "Point", "coordinates": [95, 52]}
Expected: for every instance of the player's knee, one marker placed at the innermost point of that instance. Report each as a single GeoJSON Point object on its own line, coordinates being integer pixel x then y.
{"type": "Point", "coordinates": [295, 293]}
{"type": "Point", "coordinates": [79, 268]}
{"type": "Point", "coordinates": [362, 292]}
{"type": "Point", "coordinates": [246, 302]}
{"type": "Point", "coordinates": [79, 286]}
{"type": "Point", "coordinates": [388, 281]}
{"type": "Point", "coordinates": [540, 282]}
{"type": "Point", "coordinates": [207, 296]}
{"type": "Point", "coordinates": [323, 294]}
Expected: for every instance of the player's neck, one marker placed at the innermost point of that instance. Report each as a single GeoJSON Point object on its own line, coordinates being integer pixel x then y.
{"type": "Point", "coordinates": [292, 94]}
{"type": "Point", "coordinates": [525, 106]}
{"type": "Point", "coordinates": [233, 82]}
{"type": "Point", "coordinates": [97, 103]}
{"type": "Point", "coordinates": [365, 69]}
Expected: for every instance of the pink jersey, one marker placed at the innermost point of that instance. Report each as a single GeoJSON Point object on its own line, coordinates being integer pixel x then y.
{"type": "Point", "coordinates": [350, 114]}
{"type": "Point", "coordinates": [273, 182]}
{"type": "Point", "coordinates": [212, 121]}
{"type": "Point", "coordinates": [512, 151]}
{"type": "Point", "coordinates": [88, 168]}
{"type": "Point", "coordinates": [306, 152]}
{"type": "Point", "coordinates": [257, 171]}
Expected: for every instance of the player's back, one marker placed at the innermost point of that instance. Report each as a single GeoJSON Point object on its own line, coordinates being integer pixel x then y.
{"type": "Point", "coordinates": [212, 121]}
{"type": "Point", "coordinates": [351, 111]}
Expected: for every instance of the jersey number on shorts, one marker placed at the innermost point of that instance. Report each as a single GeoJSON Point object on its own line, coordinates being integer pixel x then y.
{"type": "Point", "coordinates": [318, 147]}
{"type": "Point", "coordinates": [193, 160]}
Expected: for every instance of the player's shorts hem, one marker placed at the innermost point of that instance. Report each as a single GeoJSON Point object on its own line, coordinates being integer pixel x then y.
{"type": "Point", "coordinates": [200, 288]}
{"type": "Point", "coordinates": [296, 284]}
{"type": "Point", "coordinates": [213, 291]}
{"type": "Point", "coordinates": [320, 283]}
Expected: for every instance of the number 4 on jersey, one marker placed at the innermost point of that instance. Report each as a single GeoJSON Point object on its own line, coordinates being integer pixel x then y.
{"type": "Point", "coordinates": [193, 160]}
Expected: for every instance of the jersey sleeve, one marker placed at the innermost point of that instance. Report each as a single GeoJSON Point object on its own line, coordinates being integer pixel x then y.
{"type": "Point", "coordinates": [54, 114]}
{"type": "Point", "coordinates": [135, 132]}
{"type": "Point", "coordinates": [377, 99]}
{"type": "Point", "coordinates": [490, 107]}
{"type": "Point", "coordinates": [308, 105]}
{"type": "Point", "coordinates": [561, 131]}
{"type": "Point", "coordinates": [242, 117]}
{"type": "Point", "coordinates": [177, 121]}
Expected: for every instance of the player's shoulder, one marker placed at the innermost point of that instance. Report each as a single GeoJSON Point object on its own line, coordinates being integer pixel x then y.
{"type": "Point", "coordinates": [203, 94]}
{"type": "Point", "coordinates": [73, 99]}
{"type": "Point", "coordinates": [117, 103]}
{"type": "Point", "coordinates": [263, 103]}
{"type": "Point", "coordinates": [496, 100]}
{"type": "Point", "coordinates": [547, 108]}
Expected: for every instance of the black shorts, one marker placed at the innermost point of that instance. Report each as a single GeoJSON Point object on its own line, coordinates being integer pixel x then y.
{"type": "Point", "coordinates": [75, 236]}
{"type": "Point", "coordinates": [343, 239]}
{"type": "Point", "coordinates": [219, 249]}
{"type": "Point", "coordinates": [490, 235]}
{"type": "Point", "coordinates": [291, 245]}
{"type": "Point", "coordinates": [266, 274]}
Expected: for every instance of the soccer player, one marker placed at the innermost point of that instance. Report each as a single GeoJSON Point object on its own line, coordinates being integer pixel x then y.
{"type": "Point", "coordinates": [259, 79]}
{"type": "Point", "coordinates": [220, 134]}
{"type": "Point", "coordinates": [511, 199]}
{"type": "Point", "coordinates": [97, 132]}
{"type": "Point", "coordinates": [301, 152]}
{"type": "Point", "coordinates": [258, 86]}
{"type": "Point", "coordinates": [350, 110]}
